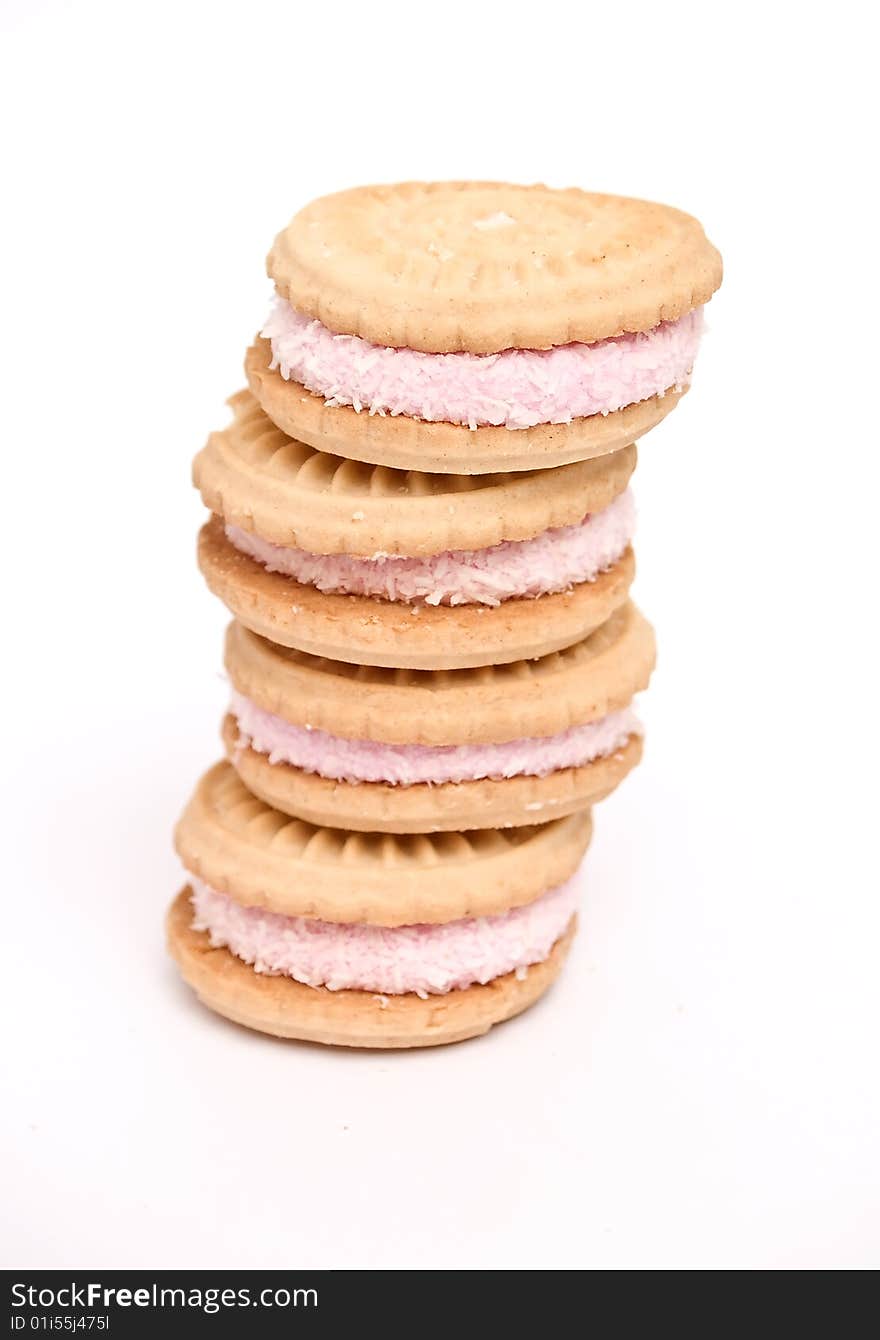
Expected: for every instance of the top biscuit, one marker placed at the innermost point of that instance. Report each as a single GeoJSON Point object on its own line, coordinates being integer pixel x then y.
{"type": "Point", "coordinates": [480, 267]}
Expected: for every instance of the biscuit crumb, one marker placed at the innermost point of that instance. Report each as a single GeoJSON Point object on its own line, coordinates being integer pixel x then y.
{"type": "Point", "coordinates": [497, 220]}
{"type": "Point", "coordinates": [381, 1001]}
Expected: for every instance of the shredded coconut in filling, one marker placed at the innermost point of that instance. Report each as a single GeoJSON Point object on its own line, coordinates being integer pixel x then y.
{"type": "Point", "coordinates": [425, 959]}
{"type": "Point", "coordinates": [553, 561]}
{"type": "Point", "coordinates": [518, 388]}
{"type": "Point", "coordinates": [355, 761]}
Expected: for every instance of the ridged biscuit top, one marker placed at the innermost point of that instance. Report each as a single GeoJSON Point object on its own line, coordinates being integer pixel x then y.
{"type": "Point", "coordinates": [484, 266]}
{"type": "Point", "coordinates": [256, 477]}
{"type": "Point", "coordinates": [262, 858]}
{"type": "Point", "coordinates": [490, 704]}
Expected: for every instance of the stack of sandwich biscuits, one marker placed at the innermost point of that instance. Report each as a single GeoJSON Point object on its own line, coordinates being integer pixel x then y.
{"type": "Point", "coordinates": [422, 525]}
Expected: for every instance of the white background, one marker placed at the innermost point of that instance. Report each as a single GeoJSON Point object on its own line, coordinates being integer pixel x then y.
{"type": "Point", "coordinates": [701, 1088]}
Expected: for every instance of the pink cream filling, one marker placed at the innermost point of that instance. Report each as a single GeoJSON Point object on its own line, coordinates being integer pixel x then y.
{"type": "Point", "coordinates": [553, 561]}
{"type": "Point", "coordinates": [517, 388]}
{"type": "Point", "coordinates": [426, 959]}
{"type": "Point", "coordinates": [355, 761]}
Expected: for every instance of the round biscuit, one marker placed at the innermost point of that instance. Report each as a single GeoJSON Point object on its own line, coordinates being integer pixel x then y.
{"type": "Point", "coordinates": [369, 631]}
{"type": "Point", "coordinates": [486, 266]}
{"type": "Point", "coordinates": [436, 807]}
{"type": "Point", "coordinates": [287, 1009]}
{"type": "Point", "coordinates": [291, 494]}
{"type": "Point", "coordinates": [399, 442]}
{"type": "Point", "coordinates": [488, 704]}
{"type": "Point", "coordinates": [261, 857]}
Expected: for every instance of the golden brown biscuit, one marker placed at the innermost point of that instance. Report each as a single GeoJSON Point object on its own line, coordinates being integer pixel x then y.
{"type": "Point", "coordinates": [242, 847]}
{"type": "Point", "coordinates": [376, 807]}
{"type": "Point", "coordinates": [403, 443]}
{"type": "Point", "coordinates": [416, 265]}
{"type": "Point", "coordinates": [260, 479]}
{"type": "Point", "coordinates": [287, 1009]}
{"type": "Point", "coordinates": [369, 631]}
{"type": "Point", "coordinates": [530, 700]}
{"type": "Point", "coordinates": [485, 705]}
